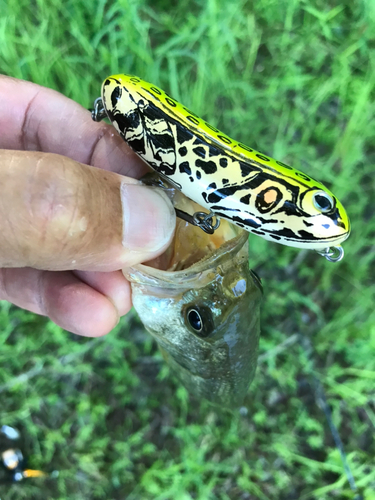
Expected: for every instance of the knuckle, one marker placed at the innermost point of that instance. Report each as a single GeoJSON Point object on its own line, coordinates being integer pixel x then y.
{"type": "Point", "coordinates": [54, 201]}
{"type": "Point", "coordinates": [29, 136]}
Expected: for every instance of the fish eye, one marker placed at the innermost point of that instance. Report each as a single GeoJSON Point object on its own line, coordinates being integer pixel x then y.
{"type": "Point", "coordinates": [199, 320]}
{"type": "Point", "coordinates": [195, 320]}
{"type": "Point", "coordinates": [323, 202]}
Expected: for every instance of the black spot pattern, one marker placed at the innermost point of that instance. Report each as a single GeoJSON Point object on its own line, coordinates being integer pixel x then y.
{"type": "Point", "coordinates": [183, 134]}
{"type": "Point", "coordinates": [212, 197]}
{"type": "Point", "coordinates": [211, 127]}
{"type": "Point", "coordinates": [262, 157]}
{"type": "Point", "coordinates": [192, 119]}
{"type": "Point", "coordinates": [269, 221]}
{"type": "Point", "coordinates": [171, 102]}
{"type": "Point", "coordinates": [246, 148]}
{"type": "Point", "coordinates": [138, 144]}
{"type": "Point", "coordinates": [221, 214]}
{"type": "Point", "coordinates": [290, 208]}
{"type": "Point", "coordinates": [116, 95]}
{"type": "Point", "coordinates": [164, 142]}
{"type": "Point", "coordinates": [190, 112]}
{"type": "Point", "coordinates": [199, 151]}
{"type": "Point", "coordinates": [213, 151]}
{"type": "Point", "coordinates": [162, 145]}
{"type": "Point", "coordinates": [185, 168]}
{"type": "Point", "coordinates": [220, 194]}
{"type": "Point", "coordinates": [165, 169]}
{"type": "Point", "coordinates": [335, 216]}
{"type": "Point", "coordinates": [249, 186]}
{"type": "Point", "coordinates": [247, 169]}
{"type": "Point", "coordinates": [305, 235]}
{"type": "Point", "coordinates": [284, 165]}
{"type": "Point", "coordinates": [248, 222]}
{"type": "Point", "coordinates": [125, 122]}
{"type": "Point", "coordinates": [260, 202]}
{"type": "Point", "coordinates": [134, 128]}
{"type": "Point", "coordinates": [218, 207]}
{"type": "Point", "coordinates": [208, 167]}
{"type": "Point", "coordinates": [286, 233]}
{"type": "Point", "coordinates": [224, 139]}
{"type": "Point", "coordinates": [303, 176]}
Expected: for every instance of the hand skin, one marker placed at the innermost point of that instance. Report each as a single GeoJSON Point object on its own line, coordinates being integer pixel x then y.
{"type": "Point", "coordinates": [72, 213]}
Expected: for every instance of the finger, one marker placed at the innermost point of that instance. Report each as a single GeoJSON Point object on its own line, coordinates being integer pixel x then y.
{"type": "Point", "coordinates": [63, 297]}
{"type": "Point", "coordinates": [113, 285]}
{"type": "Point", "coordinates": [39, 119]}
{"type": "Point", "coordinates": [57, 214]}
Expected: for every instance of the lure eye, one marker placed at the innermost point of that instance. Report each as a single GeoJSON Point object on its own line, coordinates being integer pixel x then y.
{"type": "Point", "coordinates": [323, 202]}
{"type": "Point", "coordinates": [199, 320]}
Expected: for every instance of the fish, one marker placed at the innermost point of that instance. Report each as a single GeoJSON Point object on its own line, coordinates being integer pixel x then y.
{"type": "Point", "coordinates": [201, 303]}
{"type": "Point", "coordinates": [233, 181]}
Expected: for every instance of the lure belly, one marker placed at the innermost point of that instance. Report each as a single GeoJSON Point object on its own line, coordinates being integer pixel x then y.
{"type": "Point", "coordinates": [234, 182]}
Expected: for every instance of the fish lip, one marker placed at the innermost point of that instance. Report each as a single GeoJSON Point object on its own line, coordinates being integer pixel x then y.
{"type": "Point", "coordinates": [196, 276]}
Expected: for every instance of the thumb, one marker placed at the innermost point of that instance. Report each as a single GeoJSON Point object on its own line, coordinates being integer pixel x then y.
{"type": "Point", "coordinates": [58, 214]}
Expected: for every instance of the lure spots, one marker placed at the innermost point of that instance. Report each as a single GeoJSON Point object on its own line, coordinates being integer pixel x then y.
{"type": "Point", "coordinates": [267, 199]}
{"type": "Point", "coordinates": [254, 191]}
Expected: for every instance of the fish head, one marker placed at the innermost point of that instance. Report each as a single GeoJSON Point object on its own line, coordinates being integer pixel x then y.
{"type": "Point", "coordinates": [205, 319]}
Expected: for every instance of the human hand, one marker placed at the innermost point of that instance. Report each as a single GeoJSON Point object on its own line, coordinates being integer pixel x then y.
{"type": "Point", "coordinates": [68, 228]}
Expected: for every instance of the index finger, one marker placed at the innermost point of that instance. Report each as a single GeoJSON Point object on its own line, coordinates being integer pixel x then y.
{"type": "Point", "coordinates": [36, 118]}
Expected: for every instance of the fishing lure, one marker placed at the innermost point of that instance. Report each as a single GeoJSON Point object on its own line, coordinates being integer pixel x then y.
{"type": "Point", "coordinates": [234, 182]}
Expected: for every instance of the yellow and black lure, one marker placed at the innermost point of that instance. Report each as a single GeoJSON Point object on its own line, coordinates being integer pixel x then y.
{"type": "Point", "coordinates": [234, 182]}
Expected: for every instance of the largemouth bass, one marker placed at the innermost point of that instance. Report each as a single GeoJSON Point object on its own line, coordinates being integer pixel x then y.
{"type": "Point", "coordinates": [201, 303]}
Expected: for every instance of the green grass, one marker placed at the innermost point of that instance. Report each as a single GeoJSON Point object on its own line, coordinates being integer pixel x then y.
{"type": "Point", "coordinates": [295, 79]}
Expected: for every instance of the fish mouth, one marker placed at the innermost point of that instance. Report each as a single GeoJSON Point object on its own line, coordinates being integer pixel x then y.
{"type": "Point", "coordinates": [192, 254]}
{"type": "Point", "coordinates": [196, 275]}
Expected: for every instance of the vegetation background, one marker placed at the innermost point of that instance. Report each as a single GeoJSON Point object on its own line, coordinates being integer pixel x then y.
{"type": "Point", "coordinates": [294, 79]}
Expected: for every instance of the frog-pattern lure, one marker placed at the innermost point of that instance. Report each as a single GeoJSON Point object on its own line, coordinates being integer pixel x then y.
{"type": "Point", "coordinates": [234, 182]}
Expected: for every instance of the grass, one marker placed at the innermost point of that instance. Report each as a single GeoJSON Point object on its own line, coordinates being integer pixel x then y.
{"type": "Point", "coordinates": [295, 79]}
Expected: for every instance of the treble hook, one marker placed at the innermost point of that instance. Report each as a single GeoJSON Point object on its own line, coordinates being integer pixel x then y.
{"type": "Point", "coordinates": [332, 254]}
{"type": "Point", "coordinates": [200, 219]}
{"type": "Point", "coordinates": [98, 113]}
